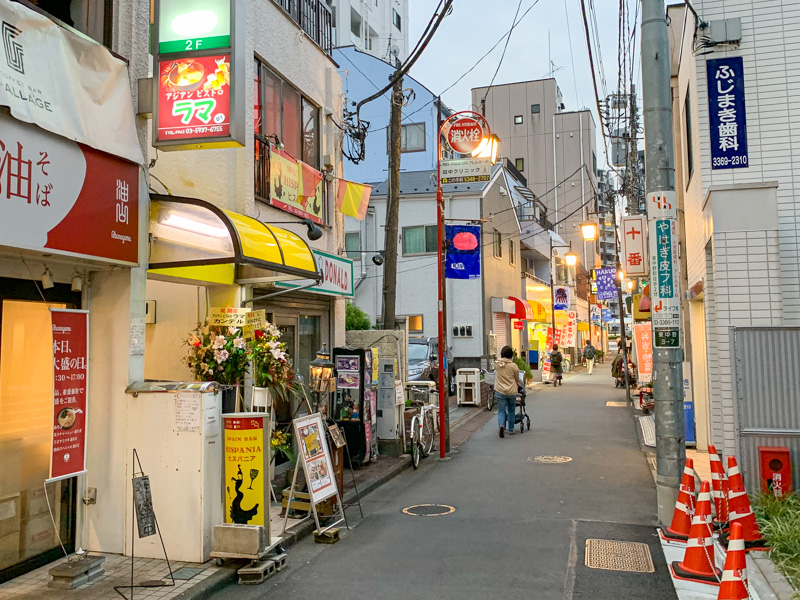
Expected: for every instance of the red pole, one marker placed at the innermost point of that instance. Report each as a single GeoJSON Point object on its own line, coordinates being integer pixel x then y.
{"type": "Point", "coordinates": [443, 398]}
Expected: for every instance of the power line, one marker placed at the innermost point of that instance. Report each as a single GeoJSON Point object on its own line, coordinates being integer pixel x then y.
{"type": "Point", "coordinates": [505, 47]}
{"type": "Point", "coordinates": [571, 54]}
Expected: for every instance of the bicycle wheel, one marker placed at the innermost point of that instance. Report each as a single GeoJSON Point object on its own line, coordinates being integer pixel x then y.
{"type": "Point", "coordinates": [416, 448]}
{"type": "Point", "coordinates": [427, 434]}
{"type": "Point", "coordinates": [490, 400]}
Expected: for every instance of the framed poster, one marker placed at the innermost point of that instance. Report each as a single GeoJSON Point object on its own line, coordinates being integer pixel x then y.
{"type": "Point", "coordinates": [315, 457]}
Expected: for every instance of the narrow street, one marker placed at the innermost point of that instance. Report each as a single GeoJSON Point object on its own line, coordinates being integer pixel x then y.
{"type": "Point", "coordinates": [519, 528]}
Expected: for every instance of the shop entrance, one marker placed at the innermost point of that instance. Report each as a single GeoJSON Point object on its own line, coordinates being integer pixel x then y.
{"type": "Point", "coordinates": [27, 534]}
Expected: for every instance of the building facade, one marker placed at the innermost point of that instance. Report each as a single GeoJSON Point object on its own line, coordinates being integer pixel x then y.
{"type": "Point", "coordinates": [377, 27]}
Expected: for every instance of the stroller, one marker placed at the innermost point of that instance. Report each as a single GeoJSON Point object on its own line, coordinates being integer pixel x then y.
{"type": "Point", "coordinates": [520, 415]}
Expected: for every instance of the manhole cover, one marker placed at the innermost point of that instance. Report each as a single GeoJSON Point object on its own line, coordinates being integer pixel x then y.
{"type": "Point", "coordinates": [616, 404]}
{"type": "Point", "coordinates": [619, 556]}
{"type": "Point", "coordinates": [549, 459]}
{"type": "Point", "coordinates": [429, 510]}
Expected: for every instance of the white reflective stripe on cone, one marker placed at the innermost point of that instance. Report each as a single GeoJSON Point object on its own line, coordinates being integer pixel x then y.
{"type": "Point", "coordinates": [695, 542]}
{"type": "Point", "coordinates": [731, 576]}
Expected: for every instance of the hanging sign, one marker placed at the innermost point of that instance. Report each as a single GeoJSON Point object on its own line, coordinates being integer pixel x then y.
{"type": "Point", "coordinates": [247, 460]}
{"type": "Point", "coordinates": [315, 457]}
{"type": "Point", "coordinates": [596, 311]}
{"type": "Point", "coordinates": [643, 337]}
{"type": "Point", "coordinates": [726, 110]}
{"type": "Point", "coordinates": [463, 254]}
{"type": "Point", "coordinates": [570, 330]}
{"type": "Point", "coordinates": [606, 283]}
{"type": "Point", "coordinates": [665, 304]}
{"type": "Point", "coordinates": [607, 315]}
{"type": "Point", "coordinates": [294, 186]}
{"type": "Point", "coordinates": [70, 376]}
{"type": "Point", "coordinates": [634, 247]}
{"type": "Point", "coordinates": [465, 134]}
{"type": "Point", "coordinates": [466, 170]}
{"type": "Point", "coordinates": [561, 298]}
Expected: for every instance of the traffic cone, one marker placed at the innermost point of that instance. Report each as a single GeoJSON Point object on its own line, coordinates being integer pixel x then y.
{"type": "Point", "coordinates": [734, 576]}
{"type": "Point", "coordinates": [719, 488]}
{"type": "Point", "coordinates": [739, 510]}
{"type": "Point", "coordinates": [678, 531]}
{"type": "Point", "coordinates": [698, 561]}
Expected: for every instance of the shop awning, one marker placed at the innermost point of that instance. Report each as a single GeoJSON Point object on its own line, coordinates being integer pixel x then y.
{"type": "Point", "coordinates": [195, 240]}
{"type": "Point", "coordinates": [539, 312]}
{"type": "Point", "coordinates": [583, 326]}
{"type": "Point", "coordinates": [522, 310]}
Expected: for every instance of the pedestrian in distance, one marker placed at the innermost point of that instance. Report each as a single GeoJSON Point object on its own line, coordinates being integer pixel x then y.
{"type": "Point", "coordinates": [589, 353]}
{"type": "Point", "coordinates": [556, 365]}
{"type": "Point", "coordinates": [505, 389]}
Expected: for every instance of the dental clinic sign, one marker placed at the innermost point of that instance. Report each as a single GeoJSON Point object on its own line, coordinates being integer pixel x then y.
{"type": "Point", "coordinates": [727, 115]}
{"type": "Point", "coordinates": [66, 198]}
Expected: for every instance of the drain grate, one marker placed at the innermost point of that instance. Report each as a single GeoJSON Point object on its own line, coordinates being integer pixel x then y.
{"type": "Point", "coordinates": [429, 510]}
{"type": "Point", "coordinates": [549, 459]}
{"type": "Point", "coordinates": [612, 555]}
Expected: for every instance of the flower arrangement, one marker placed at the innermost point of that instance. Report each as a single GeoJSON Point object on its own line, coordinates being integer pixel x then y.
{"type": "Point", "coordinates": [271, 367]}
{"type": "Point", "coordinates": [217, 354]}
{"type": "Point", "coordinates": [281, 443]}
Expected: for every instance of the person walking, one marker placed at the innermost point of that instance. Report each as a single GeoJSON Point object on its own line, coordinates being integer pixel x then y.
{"type": "Point", "coordinates": [589, 353]}
{"type": "Point", "coordinates": [556, 365]}
{"type": "Point", "coordinates": [505, 390]}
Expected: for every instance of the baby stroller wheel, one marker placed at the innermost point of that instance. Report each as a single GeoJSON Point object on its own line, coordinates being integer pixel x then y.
{"type": "Point", "coordinates": [529, 423]}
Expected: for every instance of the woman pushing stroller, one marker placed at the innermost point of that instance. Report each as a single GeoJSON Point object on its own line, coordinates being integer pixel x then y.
{"type": "Point", "coordinates": [505, 389]}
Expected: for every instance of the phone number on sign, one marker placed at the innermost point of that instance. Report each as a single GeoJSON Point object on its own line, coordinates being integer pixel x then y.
{"type": "Point", "coordinates": [188, 130]}
{"type": "Point", "coordinates": [729, 161]}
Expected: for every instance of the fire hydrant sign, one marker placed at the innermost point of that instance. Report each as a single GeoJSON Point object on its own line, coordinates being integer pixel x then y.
{"type": "Point", "coordinates": [194, 98]}
{"type": "Point", "coordinates": [70, 377]}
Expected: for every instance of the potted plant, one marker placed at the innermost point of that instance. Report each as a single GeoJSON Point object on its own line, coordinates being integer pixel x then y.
{"type": "Point", "coordinates": [273, 376]}
{"type": "Point", "coordinates": [281, 443]}
{"type": "Point", "coordinates": [218, 354]}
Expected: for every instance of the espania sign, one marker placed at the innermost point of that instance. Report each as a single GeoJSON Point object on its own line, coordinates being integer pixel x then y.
{"type": "Point", "coordinates": [337, 273]}
{"type": "Point", "coordinates": [199, 74]}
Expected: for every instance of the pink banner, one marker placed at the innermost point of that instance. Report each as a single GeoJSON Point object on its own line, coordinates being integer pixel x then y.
{"type": "Point", "coordinates": [643, 336]}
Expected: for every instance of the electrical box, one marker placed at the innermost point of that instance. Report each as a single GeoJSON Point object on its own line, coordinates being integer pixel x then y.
{"type": "Point", "coordinates": [150, 311]}
{"type": "Point", "coordinates": [725, 31]}
{"type": "Point", "coordinates": [389, 422]}
{"type": "Point", "coordinates": [776, 470]}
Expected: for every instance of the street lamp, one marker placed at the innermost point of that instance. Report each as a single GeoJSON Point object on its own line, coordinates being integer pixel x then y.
{"type": "Point", "coordinates": [589, 231]}
{"type": "Point", "coordinates": [571, 259]}
{"type": "Point", "coordinates": [488, 148]}
{"type": "Point", "coordinates": [320, 371]}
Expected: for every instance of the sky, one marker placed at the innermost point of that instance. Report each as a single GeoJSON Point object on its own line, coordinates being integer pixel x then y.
{"type": "Point", "coordinates": [476, 25]}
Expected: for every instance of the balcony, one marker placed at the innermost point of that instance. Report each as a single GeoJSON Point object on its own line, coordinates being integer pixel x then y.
{"type": "Point", "coordinates": [314, 17]}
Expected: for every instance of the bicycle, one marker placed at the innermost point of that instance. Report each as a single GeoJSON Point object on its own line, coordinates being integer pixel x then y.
{"type": "Point", "coordinates": [423, 431]}
{"type": "Point", "coordinates": [489, 378]}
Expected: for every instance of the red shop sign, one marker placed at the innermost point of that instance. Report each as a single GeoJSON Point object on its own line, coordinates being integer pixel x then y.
{"type": "Point", "coordinates": [194, 98]}
{"type": "Point", "coordinates": [70, 377]}
{"type": "Point", "coordinates": [66, 197]}
{"type": "Point", "coordinates": [465, 135]}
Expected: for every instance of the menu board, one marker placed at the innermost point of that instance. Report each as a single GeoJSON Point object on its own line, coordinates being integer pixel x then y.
{"type": "Point", "coordinates": [315, 457]}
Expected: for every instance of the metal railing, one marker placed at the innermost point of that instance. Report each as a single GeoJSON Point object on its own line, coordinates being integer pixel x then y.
{"type": "Point", "coordinates": [536, 279]}
{"type": "Point", "coordinates": [314, 17]}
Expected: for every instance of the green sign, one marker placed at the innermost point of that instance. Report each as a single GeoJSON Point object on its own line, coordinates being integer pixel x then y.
{"type": "Point", "coordinates": [192, 25]}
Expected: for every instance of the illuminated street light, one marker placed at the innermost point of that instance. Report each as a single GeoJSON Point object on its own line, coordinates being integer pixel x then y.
{"type": "Point", "coordinates": [589, 231]}
{"type": "Point", "coordinates": [571, 259]}
{"type": "Point", "coordinates": [488, 148]}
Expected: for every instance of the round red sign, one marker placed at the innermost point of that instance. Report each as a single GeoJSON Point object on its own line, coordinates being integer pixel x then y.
{"type": "Point", "coordinates": [465, 135]}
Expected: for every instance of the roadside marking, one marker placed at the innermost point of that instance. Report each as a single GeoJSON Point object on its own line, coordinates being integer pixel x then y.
{"type": "Point", "coordinates": [429, 510]}
{"type": "Point", "coordinates": [616, 404]}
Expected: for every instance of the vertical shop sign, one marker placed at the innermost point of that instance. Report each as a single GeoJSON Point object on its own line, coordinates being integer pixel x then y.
{"type": "Point", "coordinates": [70, 377]}
{"type": "Point", "coordinates": [634, 246]}
{"type": "Point", "coordinates": [606, 283]}
{"type": "Point", "coordinates": [570, 329]}
{"type": "Point", "coordinates": [643, 336]}
{"type": "Point", "coordinates": [246, 469]}
{"type": "Point", "coordinates": [463, 257]}
{"type": "Point", "coordinates": [726, 109]}
{"type": "Point", "coordinates": [666, 307]}
{"type": "Point", "coordinates": [561, 299]}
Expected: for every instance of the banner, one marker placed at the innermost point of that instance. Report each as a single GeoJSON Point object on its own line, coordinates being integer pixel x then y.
{"type": "Point", "coordinates": [643, 337]}
{"type": "Point", "coordinates": [246, 469]}
{"type": "Point", "coordinates": [561, 298]}
{"type": "Point", "coordinates": [463, 256]}
{"type": "Point", "coordinates": [634, 245]}
{"type": "Point", "coordinates": [726, 111]}
{"type": "Point", "coordinates": [294, 186]}
{"type": "Point", "coordinates": [606, 283]}
{"type": "Point", "coordinates": [66, 83]}
{"type": "Point", "coordinates": [70, 376]}
{"type": "Point", "coordinates": [352, 199]}
{"type": "Point", "coordinates": [66, 197]}
{"type": "Point", "coordinates": [570, 329]}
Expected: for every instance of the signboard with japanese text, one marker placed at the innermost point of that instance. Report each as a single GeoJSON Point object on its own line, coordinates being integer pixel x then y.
{"type": "Point", "coordinates": [466, 170]}
{"type": "Point", "coordinates": [727, 113]}
{"type": "Point", "coordinates": [634, 246]}
{"type": "Point", "coordinates": [227, 316]}
{"type": "Point", "coordinates": [561, 296]}
{"type": "Point", "coordinates": [606, 279]}
{"type": "Point", "coordinates": [596, 312]}
{"type": "Point", "coordinates": [66, 83]}
{"type": "Point", "coordinates": [194, 98]}
{"type": "Point", "coordinates": [337, 273]}
{"type": "Point", "coordinates": [665, 300]}
{"type": "Point", "coordinates": [570, 330]}
{"type": "Point", "coordinates": [294, 186]}
{"type": "Point", "coordinates": [315, 457]}
{"type": "Point", "coordinates": [70, 377]}
{"type": "Point", "coordinates": [463, 254]}
{"type": "Point", "coordinates": [643, 337]}
{"type": "Point", "coordinates": [247, 477]}
{"type": "Point", "coordinates": [465, 134]}
{"type": "Point", "coordinates": [65, 197]}
{"type": "Point", "coordinates": [143, 501]}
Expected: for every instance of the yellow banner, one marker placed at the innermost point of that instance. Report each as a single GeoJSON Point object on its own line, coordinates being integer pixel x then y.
{"type": "Point", "coordinates": [353, 198]}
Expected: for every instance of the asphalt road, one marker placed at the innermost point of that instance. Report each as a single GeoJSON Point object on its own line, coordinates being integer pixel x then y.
{"type": "Point", "coordinates": [519, 527]}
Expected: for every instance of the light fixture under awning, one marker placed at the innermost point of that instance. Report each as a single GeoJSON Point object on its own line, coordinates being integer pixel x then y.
{"type": "Point", "coordinates": [194, 240]}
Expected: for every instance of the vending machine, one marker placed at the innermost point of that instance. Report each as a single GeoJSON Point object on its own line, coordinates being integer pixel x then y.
{"type": "Point", "coordinates": [354, 402]}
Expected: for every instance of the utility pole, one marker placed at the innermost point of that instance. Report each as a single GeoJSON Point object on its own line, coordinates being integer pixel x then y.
{"type": "Point", "coordinates": [392, 208]}
{"type": "Point", "coordinates": [622, 336]}
{"type": "Point", "coordinates": [665, 282]}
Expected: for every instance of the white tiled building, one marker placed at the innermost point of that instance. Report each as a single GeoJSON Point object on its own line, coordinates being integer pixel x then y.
{"type": "Point", "coordinates": [742, 225]}
{"type": "Point", "coordinates": [378, 27]}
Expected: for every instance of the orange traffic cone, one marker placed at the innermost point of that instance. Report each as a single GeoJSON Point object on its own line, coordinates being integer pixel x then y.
{"type": "Point", "coordinates": [678, 531]}
{"type": "Point", "coordinates": [740, 510]}
{"type": "Point", "coordinates": [719, 487]}
{"type": "Point", "coordinates": [734, 576]}
{"type": "Point", "coordinates": [698, 561]}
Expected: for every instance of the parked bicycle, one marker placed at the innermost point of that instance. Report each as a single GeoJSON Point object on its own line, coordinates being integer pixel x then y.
{"type": "Point", "coordinates": [489, 379]}
{"type": "Point", "coordinates": [423, 430]}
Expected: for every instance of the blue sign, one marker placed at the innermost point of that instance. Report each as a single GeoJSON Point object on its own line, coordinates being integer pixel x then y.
{"type": "Point", "coordinates": [607, 316]}
{"type": "Point", "coordinates": [726, 109]}
{"type": "Point", "coordinates": [665, 279]}
{"type": "Point", "coordinates": [606, 283]}
{"type": "Point", "coordinates": [463, 256]}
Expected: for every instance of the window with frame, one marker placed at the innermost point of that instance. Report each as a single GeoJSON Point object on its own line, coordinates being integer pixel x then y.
{"type": "Point", "coordinates": [352, 245]}
{"type": "Point", "coordinates": [280, 110]}
{"type": "Point", "coordinates": [687, 109]}
{"type": "Point", "coordinates": [412, 137]}
{"type": "Point", "coordinates": [396, 20]}
{"type": "Point", "coordinates": [415, 323]}
{"type": "Point", "coordinates": [519, 163]}
{"type": "Point", "coordinates": [518, 120]}
{"type": "Point", "coordinates": [497, 244]}
{"type": "Point", "coordinates": [535, 109]}
{"type": "Point", "coordinates": [512, 253]}
{"type": "Point", "coordinates": [419, 239]}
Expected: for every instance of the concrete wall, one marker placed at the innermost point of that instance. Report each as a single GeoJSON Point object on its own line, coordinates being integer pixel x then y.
{"type": "Point", "coordinates": [378, 34]}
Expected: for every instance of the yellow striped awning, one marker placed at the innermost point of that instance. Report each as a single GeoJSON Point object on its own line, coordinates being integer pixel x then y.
{"type": "Point", "coordinates": [196, 241]}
